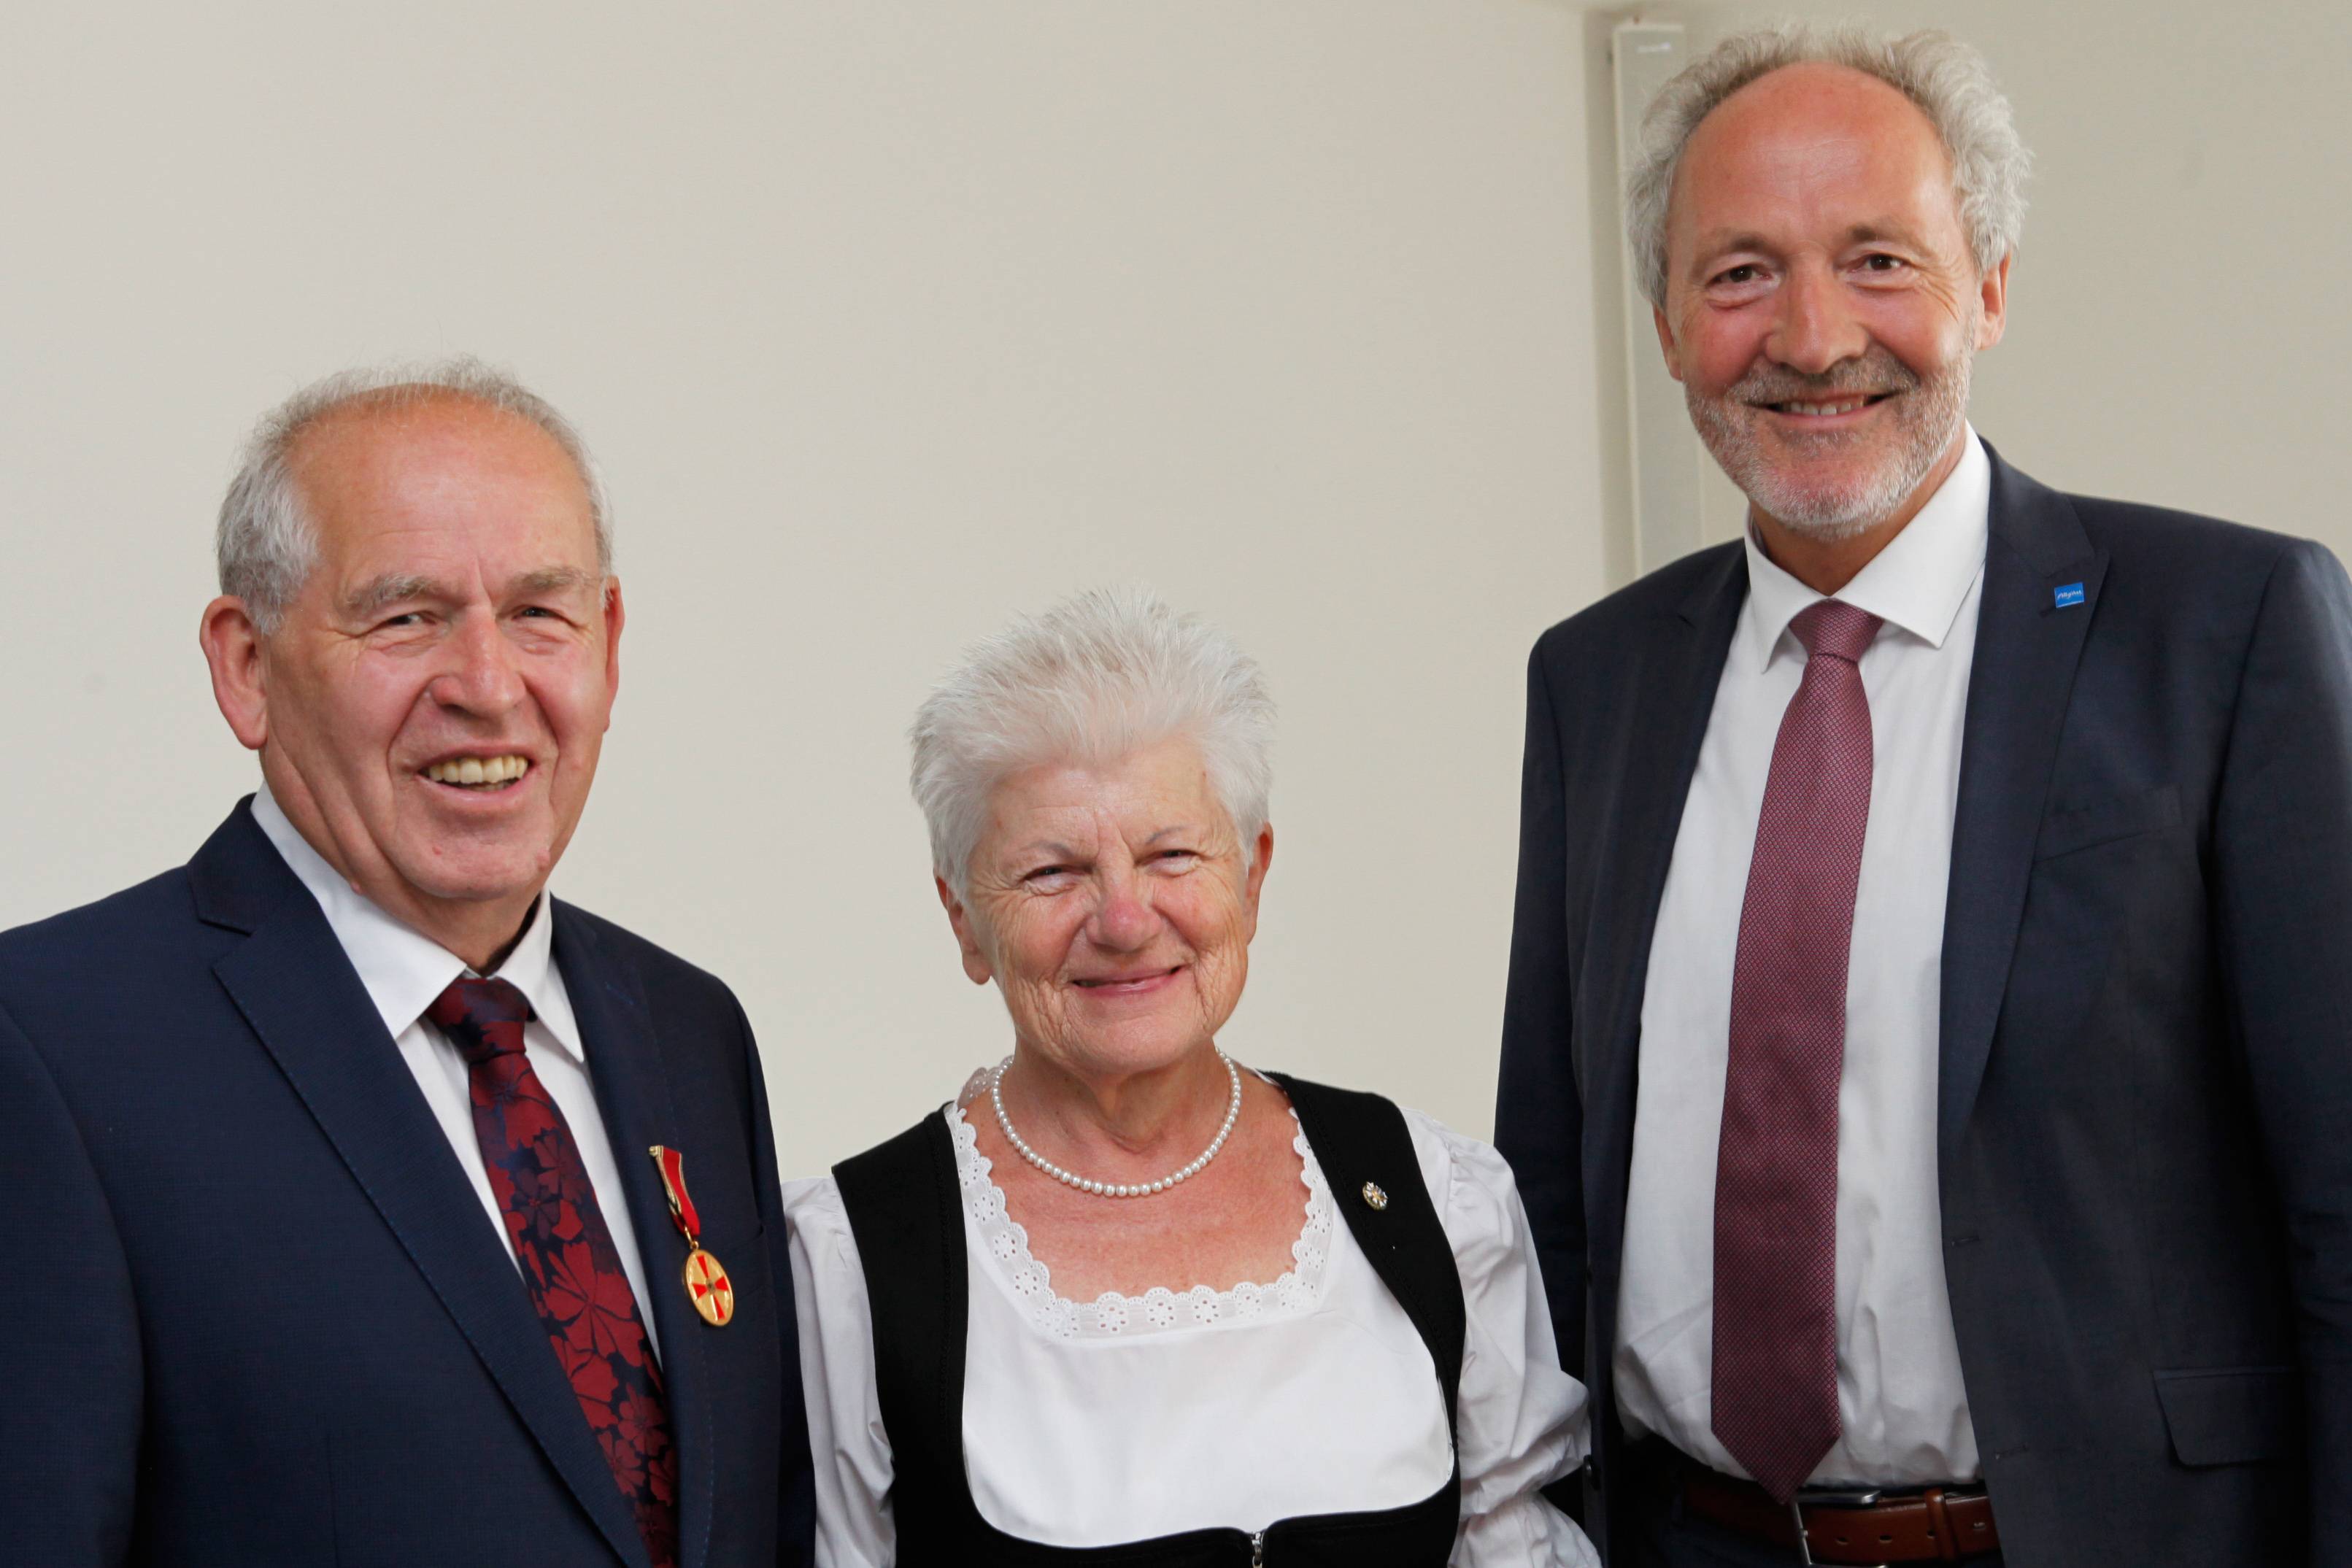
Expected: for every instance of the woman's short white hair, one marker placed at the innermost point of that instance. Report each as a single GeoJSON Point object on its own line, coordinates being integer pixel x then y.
{"type": "Point", "coordinates": [1097, 677]}
{"type": "Point", "coordinates": [266, 544]}
{"type": "Point", "coordinates": [1949, 81]}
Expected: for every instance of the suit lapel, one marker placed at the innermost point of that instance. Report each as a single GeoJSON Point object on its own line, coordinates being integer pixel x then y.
{"type": "Point", "coordinates": [1681, 657]}
{"type": "Point", "coordinates": [2030, 627]}
{"type": "Point", "coordinates": [301, 997]}
{"type": "Point", "coordinates": [624, 1062]}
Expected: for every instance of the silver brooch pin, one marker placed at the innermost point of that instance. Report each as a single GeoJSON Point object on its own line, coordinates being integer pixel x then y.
{"type": "Point", "coordinates": [1374, 1196]}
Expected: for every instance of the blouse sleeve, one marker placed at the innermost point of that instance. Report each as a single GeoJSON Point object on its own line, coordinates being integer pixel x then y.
{"type": "Point", "coordinates": [847, 1440]}
{"type": "Point", "coordinates": [1522, 1421]}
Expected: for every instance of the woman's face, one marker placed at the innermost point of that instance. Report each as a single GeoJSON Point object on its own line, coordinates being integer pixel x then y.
{"type": "Point", "coordinates": [1113, 907]}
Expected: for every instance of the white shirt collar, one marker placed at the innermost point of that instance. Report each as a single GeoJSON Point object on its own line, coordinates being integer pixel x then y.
{"type": "Point", "coordinates": [403, 969]}
{"type": "Point", "coordinates": [1918, 583]}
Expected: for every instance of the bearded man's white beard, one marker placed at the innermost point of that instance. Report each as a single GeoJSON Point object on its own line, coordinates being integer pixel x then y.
{"type": "Point", "coordinates": [1928, 417]}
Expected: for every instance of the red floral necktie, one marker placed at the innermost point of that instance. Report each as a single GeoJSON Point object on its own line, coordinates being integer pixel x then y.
{"type": "Point", "coordinates": [568, 1260]}
{"type": "Point", "coordinates": [1774, 1374]}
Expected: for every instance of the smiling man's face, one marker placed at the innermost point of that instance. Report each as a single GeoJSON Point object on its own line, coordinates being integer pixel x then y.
{"type": "Point", "coordinates": [434, 700]}
{"type": "Point", "coordinates": [1822, 300]}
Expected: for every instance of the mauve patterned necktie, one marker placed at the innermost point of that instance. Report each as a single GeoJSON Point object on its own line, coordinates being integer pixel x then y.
{"type": "Point", "coordinates": [1775, 1374]}
{"type": "Point", "coordinates": [569, 1263]}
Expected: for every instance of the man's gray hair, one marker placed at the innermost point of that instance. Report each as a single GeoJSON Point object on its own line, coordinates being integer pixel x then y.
{"type": "Point", "coordinates": [267, 543]}
{"type": "Point", "coordinates": [1097, 677]}
{"type": "Point", "coordinates": [1949, 81]}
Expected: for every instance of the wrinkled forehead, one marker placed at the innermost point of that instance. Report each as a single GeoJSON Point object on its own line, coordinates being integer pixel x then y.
{"type": "Point", "coordinates": [387, 479]}
{"type": "Point", "coordinates": [1137, 796]}
{"type": "Point", "coordinates": [1823, 134]}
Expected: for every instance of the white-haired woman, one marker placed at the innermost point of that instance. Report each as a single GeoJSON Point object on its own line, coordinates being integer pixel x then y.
{"type": "Point", "coordinates": [1122, 1300]}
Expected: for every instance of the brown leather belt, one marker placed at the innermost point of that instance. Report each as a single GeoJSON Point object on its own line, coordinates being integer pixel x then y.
{"type": "Point", "coordinates": [1941, 1524]}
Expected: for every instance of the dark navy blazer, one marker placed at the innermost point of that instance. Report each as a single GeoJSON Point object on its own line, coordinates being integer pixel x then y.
{"type": "Point", "coordinates": [2144, 1130]}
{"type": "Point", "coordinates": [251, 1310]}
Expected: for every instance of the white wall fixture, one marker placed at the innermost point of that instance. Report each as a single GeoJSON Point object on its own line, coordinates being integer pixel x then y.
{"type": "Point", "coordinates": [1668, 465]}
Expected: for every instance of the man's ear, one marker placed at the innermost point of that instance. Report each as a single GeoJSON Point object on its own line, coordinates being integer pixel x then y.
{"type": "Point", "coordinates": [232, 645]}
{"type": "Point", "coordinates": [1666, 342]}
{"type": "Point", "coordinates": [1992, 293]}
{"type": "Point", "coordinates": [616, 617]}
{"type": "Point", "coordinates": [975, 962]}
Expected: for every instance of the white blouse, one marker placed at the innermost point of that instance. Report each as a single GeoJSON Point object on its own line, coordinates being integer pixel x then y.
{"type": "Point", "coordinates": [1125, 1418]}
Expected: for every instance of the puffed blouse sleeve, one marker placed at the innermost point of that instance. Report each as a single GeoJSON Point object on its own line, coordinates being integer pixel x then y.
{"type": "Point", "coordinates": [847, 1440]}
{"type": "Point", "coordinates": [1522, 1423]}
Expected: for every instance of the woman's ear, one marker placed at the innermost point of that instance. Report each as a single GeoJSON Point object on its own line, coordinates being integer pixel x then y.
{"type": "Point", "coordinates": [960, 921]}
{"type": "Point", "coordinates": [1261, 856]}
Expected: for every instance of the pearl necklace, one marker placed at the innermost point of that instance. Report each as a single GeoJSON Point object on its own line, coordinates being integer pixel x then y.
{"type": "Point", "coordinates": [1111, 1188]}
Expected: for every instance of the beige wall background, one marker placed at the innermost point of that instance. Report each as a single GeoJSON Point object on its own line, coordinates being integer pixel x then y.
{"type": "Point", "coordinates": [888, 319]}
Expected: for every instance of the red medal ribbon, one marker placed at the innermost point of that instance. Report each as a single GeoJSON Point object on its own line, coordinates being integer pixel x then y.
{"type": "Point", "coordinates": [707, 1284]}
{"type": "Point", "coordinates": [681, 1207]}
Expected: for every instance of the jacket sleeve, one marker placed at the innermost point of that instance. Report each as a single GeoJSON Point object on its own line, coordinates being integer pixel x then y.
{"type": "Point", "coordinates": [70, 1426]}
{"type": "Point", "coordinates": [795, 1499]}
{"type": "Point", "coordinates": [2283, 901]}
{"type": "Point", "coordinates": [1539, 1116]}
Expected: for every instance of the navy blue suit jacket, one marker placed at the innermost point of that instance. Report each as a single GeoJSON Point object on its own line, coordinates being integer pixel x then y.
{"type": "Point", "coordinates": [251, 1309]}
{"type": "Point", "coordinates": [2145, 1131]}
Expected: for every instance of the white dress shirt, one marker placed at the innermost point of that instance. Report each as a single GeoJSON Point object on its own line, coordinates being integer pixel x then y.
{"type": "Point", "coordinates": [1905, 1407]}
{"type": "Point", "coordinates": [404, 970]}
{"type": "Point", "coordinates": [1125, 1418]}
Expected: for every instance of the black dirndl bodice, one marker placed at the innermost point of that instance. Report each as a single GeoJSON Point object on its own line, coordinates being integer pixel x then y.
{"type": "Point", "coordinates": [905, 1210]}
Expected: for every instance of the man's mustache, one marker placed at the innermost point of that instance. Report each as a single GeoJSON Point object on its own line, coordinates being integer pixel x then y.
{"type": "Point", "coordinates": [1877, 374]}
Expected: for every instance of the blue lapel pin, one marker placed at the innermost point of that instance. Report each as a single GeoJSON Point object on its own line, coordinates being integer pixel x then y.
{"type": "Point", "coordinates": [2071, 594]}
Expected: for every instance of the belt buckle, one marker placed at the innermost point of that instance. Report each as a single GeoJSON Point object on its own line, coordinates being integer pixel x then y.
{"type": "Point", "coordinates": [1827, 1497]}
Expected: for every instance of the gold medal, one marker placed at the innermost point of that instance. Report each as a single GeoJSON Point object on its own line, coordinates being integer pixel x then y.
{"type": "Point", "coordinates": [712, 1291]}
{"type": "Point", "coordinates": [707, 1284]}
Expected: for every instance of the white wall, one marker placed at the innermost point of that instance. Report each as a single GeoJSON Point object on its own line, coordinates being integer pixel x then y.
{"type": "Point", "coordinates": [888, 319]}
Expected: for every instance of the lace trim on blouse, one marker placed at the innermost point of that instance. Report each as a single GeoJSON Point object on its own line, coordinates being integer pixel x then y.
{"type": "Point", "coordinates": [1114, 1316]}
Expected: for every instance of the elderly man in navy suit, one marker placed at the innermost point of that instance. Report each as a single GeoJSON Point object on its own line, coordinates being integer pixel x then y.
{"type": "Point", "coordinates": [362, 1204]}
{"type": "Point", "coordinates": [1929, 1051]}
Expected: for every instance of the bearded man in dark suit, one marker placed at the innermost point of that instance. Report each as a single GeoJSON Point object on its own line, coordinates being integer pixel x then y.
{"type": "Point", "coordinates": [360, 1200]}
{"type": "Point", "coordinates": [1928, 1052]}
